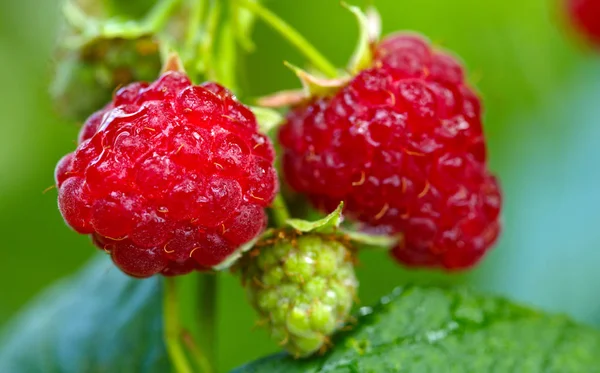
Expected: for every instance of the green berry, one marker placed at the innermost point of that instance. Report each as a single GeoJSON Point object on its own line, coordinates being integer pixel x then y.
{"type": "Point", "coordinates": [303, 286]}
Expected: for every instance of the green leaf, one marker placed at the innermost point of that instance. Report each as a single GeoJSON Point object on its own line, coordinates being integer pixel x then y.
{"type": "Point", "coordinates": [440, 330]}
{"type": "Point", "coordinates": [325, 225]}
{"type": "Point", "coordinates": [267, 118]}
{"type": "Point", "coordinates": [99, 320]}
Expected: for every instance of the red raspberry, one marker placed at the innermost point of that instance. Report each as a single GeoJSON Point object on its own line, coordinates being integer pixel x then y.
{"type": "Point", "coordinates": [402, 145]}
{"type": "Point", "coordinates": [169, 177]}
{"type": "Point", "coordinates": [586, 16]}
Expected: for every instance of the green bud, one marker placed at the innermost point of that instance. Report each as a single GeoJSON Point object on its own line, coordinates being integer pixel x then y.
{"type": "Point", "coordinates": [304, 287]}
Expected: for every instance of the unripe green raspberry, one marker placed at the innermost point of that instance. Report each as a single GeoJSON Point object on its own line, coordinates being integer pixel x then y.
{"type": "Point", "coordinates": [87, 77]}
{"type": "Point", "coordinates": [303, 288]}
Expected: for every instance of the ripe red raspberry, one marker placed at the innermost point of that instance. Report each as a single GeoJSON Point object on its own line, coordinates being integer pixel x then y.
{"type": "Point", "coordinates": [402, 145]}
{"type": "Point", "coordinates": [169, 177]}
{"type": "Point", "coordinates": [586, 17]}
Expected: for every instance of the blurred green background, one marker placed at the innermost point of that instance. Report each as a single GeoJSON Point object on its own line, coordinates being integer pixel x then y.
{"type": "Point", "coordinates": [541, 89]}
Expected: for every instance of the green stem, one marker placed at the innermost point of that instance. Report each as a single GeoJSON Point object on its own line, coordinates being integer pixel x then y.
{"type": "Point", "coordinates": [226, 68]}
{"type": "Point", "coordinates": [280, 211]}
{"type": "Point", "coordinates": [293, 36]}
{"type": "Point", "coordinates": [173, 329]}
{"type": "Point", "coordinates": [76, 17]}
{"type": "Point", "coordinates": [244, 40]}
{"type": "Point", "coordinates": [207, 320]}
{"type": "Point", "coordinates": [160, 14]}
{"type": "Point", "coordinates": [201, 360]}
{"type": "Point", "coordinates": [207, 47]}
{"type": "Point", "coordinates": [193, 27]}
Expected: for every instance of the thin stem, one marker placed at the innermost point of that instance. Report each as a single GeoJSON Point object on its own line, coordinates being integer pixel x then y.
{"type": "Point", "coordinates": [76, 17]}
{"type": "Point", "coordinates": [293, 36]}
{"type": "Point", "coordinates": [200, 358]}
{"type": "Point", "coordinates": [241, 35]}
{"type": "Point", "coordinates": [207, 47]}
{"type": "Point", "coordinates": [160, 14]}
{"type": "Point", "coordinates": [207, 318]}
{"type": "Point", "coordinates": [280, 211]}
{"type": "Point", "coordinates": [193, 27]}
{"type": "Point", "coordinates": [173, 329]}
{"type": "Point", "coordinates": [226, 68]}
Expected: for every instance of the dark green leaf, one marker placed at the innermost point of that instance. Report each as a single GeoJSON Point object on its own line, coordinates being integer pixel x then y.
{"type": "Point", "coordinates": [99, 320]}
{"type": "Point", "coordinates": [437, 330]}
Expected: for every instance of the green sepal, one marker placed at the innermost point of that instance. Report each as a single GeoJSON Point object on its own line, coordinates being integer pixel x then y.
{"type": "Point", "coordinates": [172, 62]}
{"type": "Point", "coordinates": [328, 224]}
{"type": "Point", "coordinates": [374, 24]}
{"type": "Point", "coordinates": [231, 259]}
{"type": "Point", "coordinates": [267, 119]}
{"type": "Point", "coordinates": [89, 28]}
{"type": "Point", "coordinates": [372, 241]}
{"type": "Point", "coordinates": [362, 57]}
{"type": "Point", "coordinates": [317, 86]}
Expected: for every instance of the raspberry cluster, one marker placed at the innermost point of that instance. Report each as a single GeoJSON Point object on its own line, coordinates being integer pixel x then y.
{"type": "Point", "coordinates": [303, 288]}
{"type": "Point", "coordinates": [402, 145]}
{"type": "Point", "coordinates": [169, 177]}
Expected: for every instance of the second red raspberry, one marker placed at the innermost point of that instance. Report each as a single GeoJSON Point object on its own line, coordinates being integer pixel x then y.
{"type": "Point", "coordinates": [402, 144]}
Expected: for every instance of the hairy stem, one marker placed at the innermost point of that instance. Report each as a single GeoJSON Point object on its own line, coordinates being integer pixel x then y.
{"type": "Point", "coordinates": [172, 328]}
{"type": "Point", "coordinates": [293, 36]}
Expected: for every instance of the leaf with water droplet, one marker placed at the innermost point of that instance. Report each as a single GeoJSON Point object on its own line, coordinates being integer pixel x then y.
{"type": "Point", "coordinates": [430, 329]}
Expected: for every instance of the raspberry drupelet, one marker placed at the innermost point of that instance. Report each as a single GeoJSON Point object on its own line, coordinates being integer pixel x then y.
{"type": "Point", "coordinates": [402, 144]}
{"type": "Point", "coordinates": [169, 177]}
